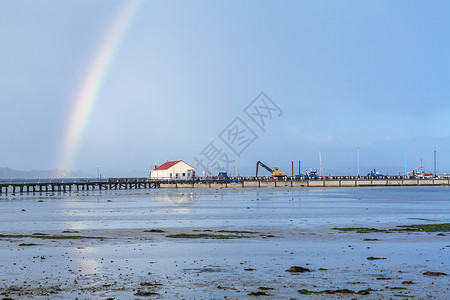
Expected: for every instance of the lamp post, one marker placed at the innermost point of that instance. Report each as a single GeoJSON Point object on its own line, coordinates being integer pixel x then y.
{"type": "Point", "coordinates": [435, 162]}
{"type": "Point", "coordinates": [98, 173]}
{"type": "Point", "coordinates": [358, 162]}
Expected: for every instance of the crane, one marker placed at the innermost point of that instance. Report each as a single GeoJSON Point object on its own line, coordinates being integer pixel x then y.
{"type": "Point", "coordinates": [274, 172]}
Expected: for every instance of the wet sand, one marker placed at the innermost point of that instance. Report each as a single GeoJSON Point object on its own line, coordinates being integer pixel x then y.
{"type": "Point", "coordinates": [224, 244]}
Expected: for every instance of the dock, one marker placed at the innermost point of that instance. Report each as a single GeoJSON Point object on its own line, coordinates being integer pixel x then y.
{"type": "Point", "coordinates": [145, 183]}
{"type": "Point", "coordinates": [307, 183]}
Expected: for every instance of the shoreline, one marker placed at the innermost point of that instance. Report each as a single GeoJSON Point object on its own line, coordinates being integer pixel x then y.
{"type": "Point", "coordinates": [336, 261]}
{"type": "Point", "coordinates": [217, 243]}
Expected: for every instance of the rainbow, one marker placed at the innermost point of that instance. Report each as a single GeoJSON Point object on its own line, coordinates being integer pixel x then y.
{"type": "Point", "coordinates": [90, 88]}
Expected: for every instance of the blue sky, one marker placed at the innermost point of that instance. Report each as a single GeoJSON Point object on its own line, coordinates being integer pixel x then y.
{"type": "Point", "coordinates": [346, 74]}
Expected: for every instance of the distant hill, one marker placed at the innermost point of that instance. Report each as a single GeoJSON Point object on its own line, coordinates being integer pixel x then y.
{"type": "Point", "coordinates": [6, 173]}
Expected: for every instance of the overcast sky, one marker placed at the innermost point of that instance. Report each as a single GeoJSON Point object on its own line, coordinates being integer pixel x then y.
{"type": "Point", "coordinates": [343, 74]}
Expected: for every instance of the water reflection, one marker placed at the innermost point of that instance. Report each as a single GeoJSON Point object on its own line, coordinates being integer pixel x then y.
{"type": "Point", "coordinates": [181, 197]}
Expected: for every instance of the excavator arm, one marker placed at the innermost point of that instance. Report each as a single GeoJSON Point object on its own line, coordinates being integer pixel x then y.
{"type": "Point", "coordinates": [264, 166]}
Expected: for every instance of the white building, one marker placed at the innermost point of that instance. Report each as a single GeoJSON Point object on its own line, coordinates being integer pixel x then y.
{"type": "Point", "coordinates": [176, 170]}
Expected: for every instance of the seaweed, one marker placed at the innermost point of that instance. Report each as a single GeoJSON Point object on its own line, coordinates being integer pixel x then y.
{"type": "Point", "coordinates": [204, 236]}
{"type": "Point", "coordinates": [237, 231]}
{"type": "Point", "coordinates": [145, 294]}
{"type": "Point", "coordinates": [338, 291]}
{"type": "Point", "coordinates": [361, 229]}
{"type": "Point", "coordinates": [296, 269]}
{"type": "Point", "coordinates": [258, 293]}
{"type": "Point", "coordinates": [428, 273]}
{"type": "Point", "coordinates": [443, 227]}
{"type": "Point", "coordinates": [308, 292]}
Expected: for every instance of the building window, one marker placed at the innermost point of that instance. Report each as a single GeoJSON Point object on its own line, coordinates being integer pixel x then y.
{"type": "Point", "coordinates": [184, 174]}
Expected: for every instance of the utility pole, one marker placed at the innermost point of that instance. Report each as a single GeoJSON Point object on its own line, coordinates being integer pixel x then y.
{"type": "Point", "coordinates": [358, 162]}
{"type": "Point", "coordinates": [434, 161]}
{"type": "Point", "coordinates": [292, 178]}
{"type": "Point", "coordinates": [421, 167]}
{"type": "Point", "coordinates": [320, 163]}
{"type": "Point", "coordinates": [405, 164]}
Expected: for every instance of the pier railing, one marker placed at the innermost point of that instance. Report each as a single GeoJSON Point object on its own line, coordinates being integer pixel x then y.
{"type": "Point", "coordinates": [33, 186]}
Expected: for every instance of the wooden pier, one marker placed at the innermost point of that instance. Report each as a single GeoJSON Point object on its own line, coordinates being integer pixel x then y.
{"type": "Point", "coordinates": [144, 183]}
{"type": "Point", "coordinates": [45, 187]}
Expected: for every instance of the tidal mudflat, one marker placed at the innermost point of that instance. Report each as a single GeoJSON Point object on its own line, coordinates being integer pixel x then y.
{"type": "Point", "coordinates": [355, 243]}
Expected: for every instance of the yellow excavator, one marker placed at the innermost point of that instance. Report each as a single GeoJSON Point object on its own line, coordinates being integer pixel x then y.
{"type": "Point", "coordinates": [275, 172]}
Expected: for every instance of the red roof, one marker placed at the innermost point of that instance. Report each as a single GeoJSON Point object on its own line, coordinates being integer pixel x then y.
{"type": "Point", "coordinates": [169, 164]}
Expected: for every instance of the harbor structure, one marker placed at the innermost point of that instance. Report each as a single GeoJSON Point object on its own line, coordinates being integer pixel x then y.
{"type": "Point", "coordinates": [286, 182]}
{"type": "Point", "coordinates": [173, 170]}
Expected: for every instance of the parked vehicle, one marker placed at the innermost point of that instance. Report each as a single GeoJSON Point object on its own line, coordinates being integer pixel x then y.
{"type": "Point", "coordinates": [224, 176]}
{"type": "Point", "coordinates": [375, 174]}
